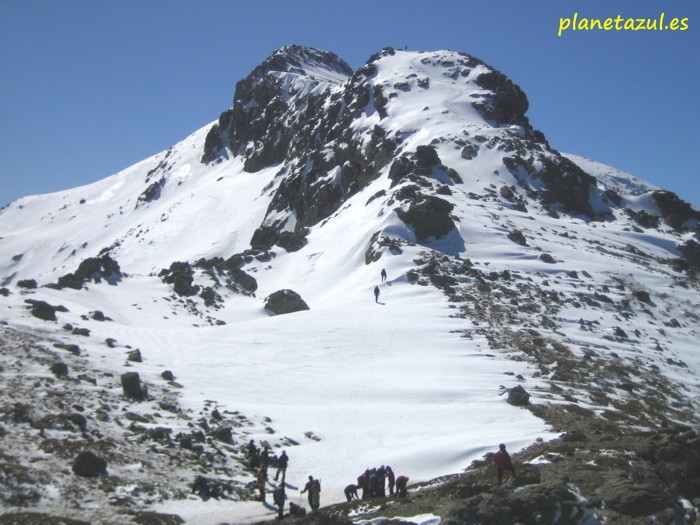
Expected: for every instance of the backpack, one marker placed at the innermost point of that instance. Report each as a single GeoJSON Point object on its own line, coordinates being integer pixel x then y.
{"type": "Point", "coordinates": [317, 485]}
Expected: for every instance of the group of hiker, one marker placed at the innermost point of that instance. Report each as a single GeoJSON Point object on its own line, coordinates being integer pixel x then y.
{"type": "Point", "coordinates": [372, 483]}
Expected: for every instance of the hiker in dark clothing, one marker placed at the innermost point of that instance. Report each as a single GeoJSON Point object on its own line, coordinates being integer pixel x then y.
{"type": "Point", "coordinates": [351, 492]}
{"type": "Point", "coordinates": [381, 482]}
{"type": "Point", "coordinates": [503, 462]}
{"type": "Point", "coordinates": [373, 484]}
{"type": "Point", "coordinates": [252, 449]}
{"type": "Point", "coordinates": [401, 483]}
{"type": "Point", "coordinates": [313, 487]}
{"type": "Point", "coordinates": [282, 466]}
{"type": "Point", "coordinates": [253, 456]}
{"type": "Point", "coordinates": [279, 496]}
{"type": "Point", "coordinates": [265, 457]}
{"type": "Point", "coordinates": [391, 478]}
{"type": "Point", "coordinates": [383, 275]}
{"type": "Point", "coordinates": [376, 294]}
{"type": "Point", "coordinates": [363, 483]}
{"type": "Point", "coordinates": [262, 479]}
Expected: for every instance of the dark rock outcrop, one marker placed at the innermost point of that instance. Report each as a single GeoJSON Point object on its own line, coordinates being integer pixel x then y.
{"type": "Point", "coordinates": [506, 104]}
{"type": "Point", "coordinates": [29, 284]}
{"type": "Point", "coordinates": [429, 216]}
{"type": "Point", "coordinates": [151, 193]}
{"type": "Point", "coordinates": [285, 302]}
{"type": "Point", "coordinates": [181, 276]}
{"type": "Point", "coordinates": [42, 309]}
{"type": "Point", "coordinates": [88, 464]}
{"type": "Point", "coordinates": [92, 269]}
{"type": "Point", "coordinates": [568, 185]}
{"type": "Point", "coordinates": [675, 212]}
{"type": "Point", "coordinates": [132, 386]}
{"type": "Point", "coordinates": [518, 396]}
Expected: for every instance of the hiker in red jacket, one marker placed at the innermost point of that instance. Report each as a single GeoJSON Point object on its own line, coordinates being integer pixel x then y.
{"type": "Point", "coordinates": [502, 462]}
{"type": "Point", "coordinates": [313, 487]}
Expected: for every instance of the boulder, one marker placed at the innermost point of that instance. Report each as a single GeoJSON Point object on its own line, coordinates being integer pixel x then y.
{"type": "Point", "coordinates": [134, 356]}
{"type": "Point", "coordinates": [89, 465]}
{"type": "Point", "coordinates": [285, 302]}
{"type": "Point", "coordinates": [517, 396]}
{"type": "Point", "coordinates": [42, 310]}
{"type": "Point", "coordinates": [131, 384]}
{"type": "Point", "coordinates": [59, 369]}
{"type": "Point", "coordinates": [429, 216]}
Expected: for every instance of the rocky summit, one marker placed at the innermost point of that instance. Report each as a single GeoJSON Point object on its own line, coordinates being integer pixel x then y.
{"type": "Point", "coordinates": [228, 291]}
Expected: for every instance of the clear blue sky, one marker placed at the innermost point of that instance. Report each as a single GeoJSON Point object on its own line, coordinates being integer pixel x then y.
{"type": "Point", "coordinates": [91, 87]}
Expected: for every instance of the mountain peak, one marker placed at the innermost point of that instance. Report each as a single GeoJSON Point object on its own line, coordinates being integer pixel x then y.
{"type": "Point", "coordinates": [313, 64]}
{"type": "Point", "coordinates": [307, 60]}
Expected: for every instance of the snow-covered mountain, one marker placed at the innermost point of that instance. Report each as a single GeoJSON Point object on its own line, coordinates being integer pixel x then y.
{"type": "Point", "coordinates": [509, 266]}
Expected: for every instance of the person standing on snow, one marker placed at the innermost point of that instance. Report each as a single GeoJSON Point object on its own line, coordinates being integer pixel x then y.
{"type": "Point", "coordinates": [279, 496]}
{"type": "Point", "coordinates": [383, 275]}
{"type": "Point", "coordinates": [313, 487]}
{"type": "Point", "coordinates": [391, 478]}
{"type": "Point", "coordinates": [376, 294]}
{"type": "Point", "coordinates": [503, 462]}
{"type": "Point", "coordinates": [262, 479]}
{"type": "Point", "coordinates": [282, 466]}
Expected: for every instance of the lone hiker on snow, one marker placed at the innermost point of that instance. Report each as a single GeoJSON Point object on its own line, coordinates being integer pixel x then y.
{"type": "Point", "coordinates": [383, 275]}
{"type": "Point", "coordinates": [376, 294]}
{"type": "Point", "coordinates": [503, 462]}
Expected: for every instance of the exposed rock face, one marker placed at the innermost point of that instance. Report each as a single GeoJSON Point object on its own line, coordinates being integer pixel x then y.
{"type": "Point", "coordinates": [507, 104]}
{"type": "Point", "coordinates": [429, 217]}
{"type": "Point", "coordinates": [92, 269]}
{"type": "Point", "coordinates": [300, 109]}
{"type": "Point", "coordinates": [285, 302]}
{"type": "Point", "coordinates": [675, 212]}
{"type": "Point", "coordinates": [568, 185]}
{"type": "Point", "coordinates": [181, 276]}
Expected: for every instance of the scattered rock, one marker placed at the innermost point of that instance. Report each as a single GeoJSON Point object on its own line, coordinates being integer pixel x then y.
{"type": "Point", "coordinates": [518, 237]}
{"type": "Point", "coordinates": [89, 465]}
{"type": "Point", "coordinates": [59, 369]}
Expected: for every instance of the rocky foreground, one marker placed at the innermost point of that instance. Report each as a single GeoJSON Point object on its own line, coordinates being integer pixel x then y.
{"type": "Point", "coordinates": [77, 449]}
